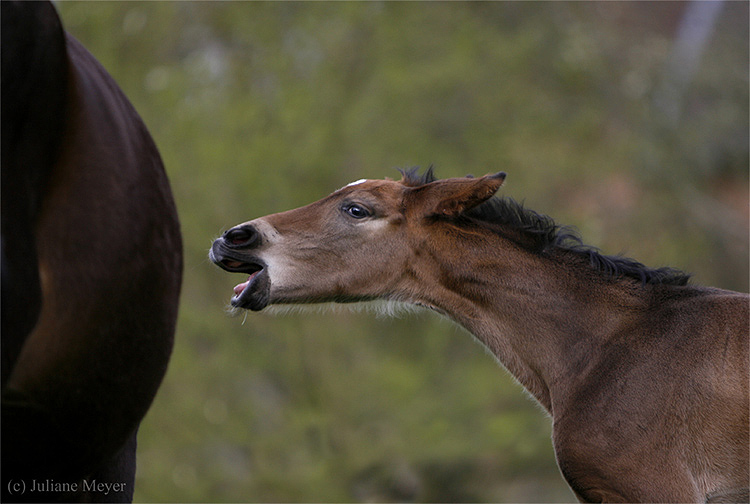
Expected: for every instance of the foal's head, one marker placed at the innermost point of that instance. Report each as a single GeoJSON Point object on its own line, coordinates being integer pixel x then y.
{"type": "Point", "coordinates": [368, 240]}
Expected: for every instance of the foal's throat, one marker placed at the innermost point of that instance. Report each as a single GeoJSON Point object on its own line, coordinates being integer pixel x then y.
{"type": "Point", "coordinates": [524, 361]}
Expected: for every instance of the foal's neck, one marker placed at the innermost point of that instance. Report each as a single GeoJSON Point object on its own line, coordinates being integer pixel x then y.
{"type": "Point", "coordinates": [541, 317]}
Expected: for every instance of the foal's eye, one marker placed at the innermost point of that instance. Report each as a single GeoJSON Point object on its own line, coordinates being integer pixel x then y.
{"type": "Point", "coordinates": [356, 211]}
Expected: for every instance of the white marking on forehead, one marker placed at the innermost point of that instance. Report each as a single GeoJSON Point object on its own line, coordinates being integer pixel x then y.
{"type": "Point", "coordinates": [356, 182]}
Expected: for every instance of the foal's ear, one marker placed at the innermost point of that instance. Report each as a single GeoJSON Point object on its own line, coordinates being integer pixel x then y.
{"type": "Point", "coordinates": [451, 197]}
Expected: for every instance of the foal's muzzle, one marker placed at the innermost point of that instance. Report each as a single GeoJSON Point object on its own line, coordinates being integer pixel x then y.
{"type": "Point", "coordinates": [235, 252]}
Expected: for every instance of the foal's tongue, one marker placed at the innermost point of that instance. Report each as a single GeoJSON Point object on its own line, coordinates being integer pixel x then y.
{"type": "Point", "coordinates": [241, 287]}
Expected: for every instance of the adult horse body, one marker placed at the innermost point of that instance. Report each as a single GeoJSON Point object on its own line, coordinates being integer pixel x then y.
{"type": "Point", "coordinates": [91, 268]}
{"type": "Point", "coordinates": [645, 376]}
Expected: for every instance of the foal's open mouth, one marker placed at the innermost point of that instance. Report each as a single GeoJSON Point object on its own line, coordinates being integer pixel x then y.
{"type": "Point", "coordinates": [252, 269]}
{"type": "Point", "coordinates": [246, 294]}
{"type": "Point", "coordinates": [252, 294]}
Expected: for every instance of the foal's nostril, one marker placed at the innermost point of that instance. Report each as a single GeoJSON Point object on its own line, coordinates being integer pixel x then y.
{"type": "Point", "coordinates": [244, 236]}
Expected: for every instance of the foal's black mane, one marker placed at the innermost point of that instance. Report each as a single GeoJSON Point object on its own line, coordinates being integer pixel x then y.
{"type": "Point", "coordinates": [545, 236]}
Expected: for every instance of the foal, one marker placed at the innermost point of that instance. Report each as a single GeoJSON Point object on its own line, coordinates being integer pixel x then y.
{"type": "Point", "coordinates": [645, 377]}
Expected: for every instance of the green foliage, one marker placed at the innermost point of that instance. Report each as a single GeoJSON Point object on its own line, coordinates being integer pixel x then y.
{"type": "Point", "coordinates": [261, 107]}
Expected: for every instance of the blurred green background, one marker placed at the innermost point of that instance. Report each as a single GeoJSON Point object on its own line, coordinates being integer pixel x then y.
{"type": "Point", "coordinates": [593, 110]}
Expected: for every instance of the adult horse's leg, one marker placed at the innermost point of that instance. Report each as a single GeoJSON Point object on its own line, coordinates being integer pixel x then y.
{"type": "Point", "coordinates": [117, 476]}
